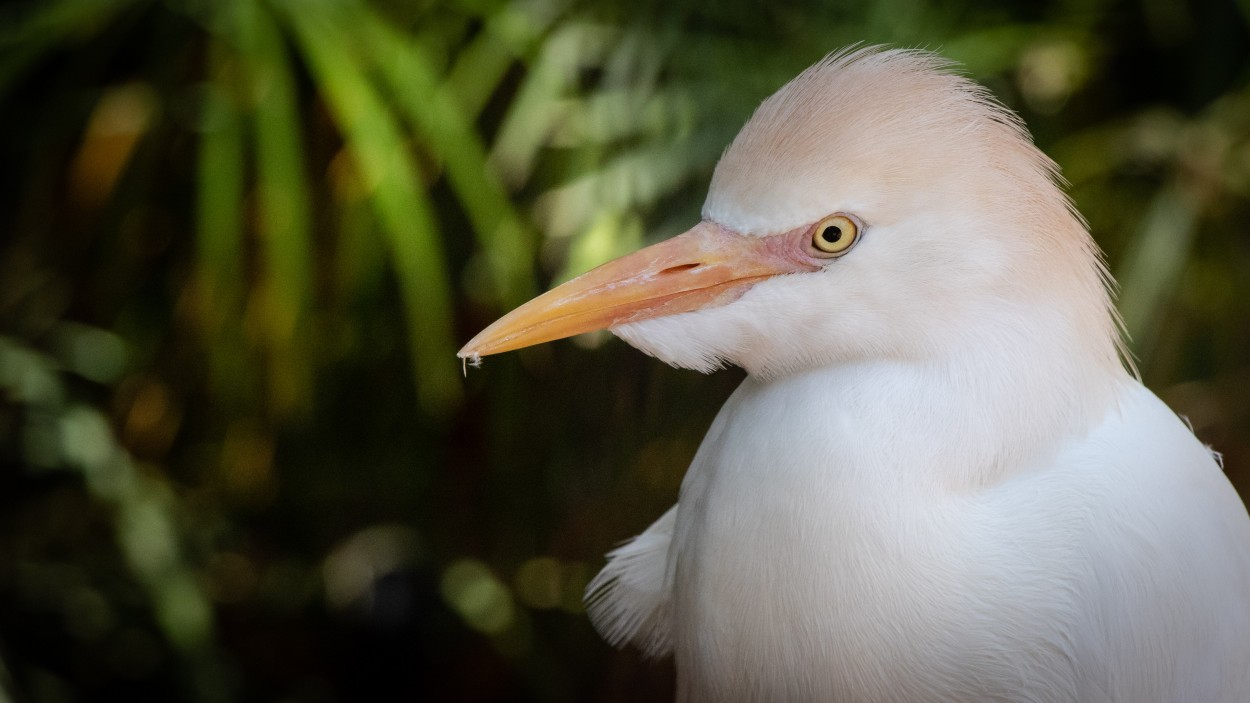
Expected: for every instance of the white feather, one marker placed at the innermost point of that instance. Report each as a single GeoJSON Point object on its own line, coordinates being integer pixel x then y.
{"type": "Point", "coordinates": [628, 600]}
{"type": "Point", "coordinates": [938, 482]}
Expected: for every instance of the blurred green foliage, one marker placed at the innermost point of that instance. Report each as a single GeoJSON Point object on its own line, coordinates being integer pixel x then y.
{"type": "Point", "coordinates": [242, 239]}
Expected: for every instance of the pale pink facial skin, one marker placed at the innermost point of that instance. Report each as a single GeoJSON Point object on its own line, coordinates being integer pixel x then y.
{"type": "Point", "coordinates": [707, 266]}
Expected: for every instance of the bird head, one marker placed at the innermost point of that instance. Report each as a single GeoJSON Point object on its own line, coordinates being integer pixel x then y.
{"type": "Point", "coordinates": [877, 206]}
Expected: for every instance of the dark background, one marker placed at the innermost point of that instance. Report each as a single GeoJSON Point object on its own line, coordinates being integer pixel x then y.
{"type": "Point", "coordinates": [240, 241]}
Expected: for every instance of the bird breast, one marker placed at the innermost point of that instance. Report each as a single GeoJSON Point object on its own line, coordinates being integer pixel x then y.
{"type": "Point", "coordinates": [816, 561]}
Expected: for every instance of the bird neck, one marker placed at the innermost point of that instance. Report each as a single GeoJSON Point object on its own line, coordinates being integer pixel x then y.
{"type": "Point", "coordinates": [976, 413]}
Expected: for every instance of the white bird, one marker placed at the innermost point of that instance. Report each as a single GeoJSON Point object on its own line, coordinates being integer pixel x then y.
{"type": "Point", "coordinates": [938, 481]}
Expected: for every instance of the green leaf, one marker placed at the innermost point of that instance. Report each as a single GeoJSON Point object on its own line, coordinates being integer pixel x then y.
{"type": "Point", "coordinates": [284, 205]}
{"type": "Point", "coordinates": [509, 35]}
{"type": "Point", "coordinates": [219, 212]}
{"type": "Point", "coordinates": [433, 110]}
{"type": "Point", "coordinates": [1152, 268]}
{"type": "Point", "coordinates": [540, 103]}
{"type": "Point", "coordinates": [374, 139]}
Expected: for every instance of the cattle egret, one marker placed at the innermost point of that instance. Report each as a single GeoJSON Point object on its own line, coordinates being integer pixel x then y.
{"type": "Point", "coordinates": [938, 481]}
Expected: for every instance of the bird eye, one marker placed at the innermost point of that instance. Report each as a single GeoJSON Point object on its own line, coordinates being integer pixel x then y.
{"type": "Point", "coordinates": [834, 235]}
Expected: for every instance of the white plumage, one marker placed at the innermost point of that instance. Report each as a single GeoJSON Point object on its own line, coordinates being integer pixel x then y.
{"type": "Point", "coordinates": [938, 482]}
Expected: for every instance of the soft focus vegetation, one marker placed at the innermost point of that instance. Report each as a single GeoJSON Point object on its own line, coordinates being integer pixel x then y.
{"type": "Point", "coordinates": [241, 240]}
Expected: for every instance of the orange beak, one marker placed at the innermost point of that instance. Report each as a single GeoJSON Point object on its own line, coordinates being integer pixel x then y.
{"type": "Point", "coordinates": [704, 267]}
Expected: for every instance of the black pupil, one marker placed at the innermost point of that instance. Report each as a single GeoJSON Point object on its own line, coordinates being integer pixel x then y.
{"type": "Point", "coordinates": [831, 234]}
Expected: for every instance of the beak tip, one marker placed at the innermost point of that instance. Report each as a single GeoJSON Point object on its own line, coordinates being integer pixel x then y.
{"type": "Point", "coordinates": [472, 349]}
{"type": "Point", "coordinates": [469, 357]}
